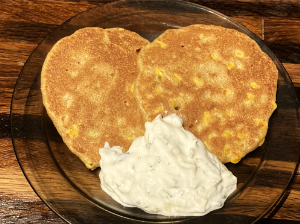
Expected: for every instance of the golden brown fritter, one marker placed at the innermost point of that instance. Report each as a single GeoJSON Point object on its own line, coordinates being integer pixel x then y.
{"type": "Point", "coordinates": [218, 80]}
{"type": "Point", "coordinates": [87, 87]}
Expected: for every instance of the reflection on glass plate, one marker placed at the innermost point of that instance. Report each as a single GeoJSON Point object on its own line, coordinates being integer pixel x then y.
{"type": "Point", "coordinates": [73, 192]}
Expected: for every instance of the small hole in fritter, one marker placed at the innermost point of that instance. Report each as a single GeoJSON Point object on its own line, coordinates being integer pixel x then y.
{"type": "Point", "coordinates": [176, 108]}
{"type": "Point", "coordinates": [138, 50]}
{"type": "Point", "coordinates": [191, 125]}
{"type": "Point", "coordinates": [182, 45]}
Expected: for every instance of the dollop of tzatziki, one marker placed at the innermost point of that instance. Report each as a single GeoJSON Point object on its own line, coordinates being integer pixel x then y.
{"type": "Point", "coordinates": [167, 171]}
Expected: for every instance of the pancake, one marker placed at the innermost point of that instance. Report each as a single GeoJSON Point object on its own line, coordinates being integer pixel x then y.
{"type": "Point", "coordinates": [218, 80]}
{"type": "Point", "coordinates": [87, 87]}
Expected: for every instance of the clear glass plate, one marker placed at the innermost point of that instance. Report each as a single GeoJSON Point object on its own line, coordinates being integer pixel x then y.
{"type": "Point", "coordinates": [74, 193]}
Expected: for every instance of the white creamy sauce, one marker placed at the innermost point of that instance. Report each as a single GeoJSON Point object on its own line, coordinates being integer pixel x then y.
{"type": "Point", "coordinates": [167, 171]}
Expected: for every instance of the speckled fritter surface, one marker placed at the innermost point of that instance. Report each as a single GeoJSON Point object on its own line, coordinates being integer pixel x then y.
{"type": "Point", "coordinates": [218, 80]}
{"type": "Point", "coordinates": [87, 87]}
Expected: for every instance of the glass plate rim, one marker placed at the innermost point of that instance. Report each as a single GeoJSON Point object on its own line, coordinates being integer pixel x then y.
{"type": "Point", "coordinates": [253, 36]}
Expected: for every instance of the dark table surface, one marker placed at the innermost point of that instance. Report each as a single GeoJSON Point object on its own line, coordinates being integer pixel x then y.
{"type": "Point", "coordinates": [23, 24]}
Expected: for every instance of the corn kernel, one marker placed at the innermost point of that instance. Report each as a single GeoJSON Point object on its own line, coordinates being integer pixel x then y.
{"type": "Point", "coordinates": [230, 65]}
{"type": "Point", "coordinates": [253, 85]}
{"type": "Point", "coordinates": [177, 78]}
{"type": "Point", "coordinates": [235, 159]}
{"type": "Point", "coordinates": [132, 90]}
{"type": "Point", "coordinates": [88, 165]}
{"type": "Point", "coordinates": [240, 135]}
{"type": "Point", "coordinates": [159, 109]}
{"type": "Point", "coordinates": [174, 104]}
{"type": "Point", "coordinates": [162, 45]}
{"type": "Point", "coordinates": [129, 136]}
{"type": "Point", "coordinates": [158, 89]}
{"type": "Point", "coordinates": [214, 56]}
{"type": "Point", "coordinates": [274, 104]}
{"type": "Point", "coordinates": [206, 117]}
{"type": "Point", "coordinates": [228, 92]}
{"type": "Point", "coordinates": [201, 35]}
{"type": "Point", "coordinates": [72, 132]}
{"type": "Point", "coordinates": [227, 133]}
{"type": "Point", "coordinates": [250, 96]}
{"type": "Point", "coordinates": [229, 113]}
{"type": "Point", "coordinates": [198, 82]}
{"type": "Point", "coordinates": [159, 74]}
{"type": "Point", "coordinates": [239, 53]}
